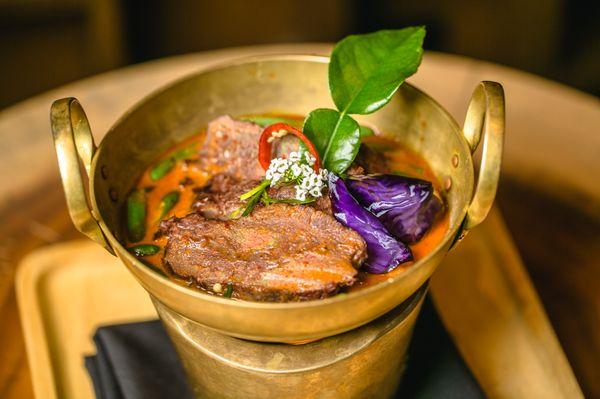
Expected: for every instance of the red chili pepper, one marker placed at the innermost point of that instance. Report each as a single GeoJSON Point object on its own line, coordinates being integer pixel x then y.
{"type": "Point", "coordinates": [265, 147]}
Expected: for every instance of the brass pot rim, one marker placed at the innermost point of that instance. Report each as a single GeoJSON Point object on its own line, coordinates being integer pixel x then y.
{"type": "Point", "coordinates": [449, 236]}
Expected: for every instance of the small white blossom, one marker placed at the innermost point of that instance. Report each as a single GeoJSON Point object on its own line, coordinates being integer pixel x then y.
{"type": "Point", "coordinates": [295, 156]}
{"type": "Point", "coordinates": [315, 192]}
{"type": "Point", "coordinates": [300, 194]}
{"type": "Point", "coordinates": [309, 158]}
{"type": "Point", "coordinates": [297, 169]}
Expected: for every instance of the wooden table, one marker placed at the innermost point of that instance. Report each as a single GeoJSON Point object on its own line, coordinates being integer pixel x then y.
{"type": "Point", "coordinates": [549, 194]}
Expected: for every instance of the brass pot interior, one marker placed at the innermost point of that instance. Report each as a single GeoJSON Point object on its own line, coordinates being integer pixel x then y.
{"type": "Point", "coordinates": [287, 84]}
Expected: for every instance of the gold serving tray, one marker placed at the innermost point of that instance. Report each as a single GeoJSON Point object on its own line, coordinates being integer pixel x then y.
{"type": "Point", "coordinates": [66, 291]}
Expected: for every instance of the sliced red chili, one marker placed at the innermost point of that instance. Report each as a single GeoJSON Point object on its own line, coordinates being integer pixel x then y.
{"type": "Point", "coordinates": [265, 146]}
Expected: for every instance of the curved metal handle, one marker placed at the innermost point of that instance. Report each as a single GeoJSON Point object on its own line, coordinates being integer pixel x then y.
{"type": "Point", "coordinates": [485, 116]}
{"type": "Point", "coordinates": [73, 142]}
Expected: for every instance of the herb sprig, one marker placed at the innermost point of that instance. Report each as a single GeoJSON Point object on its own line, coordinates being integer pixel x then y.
{"type": "Point", "coordinates": [364, 72]}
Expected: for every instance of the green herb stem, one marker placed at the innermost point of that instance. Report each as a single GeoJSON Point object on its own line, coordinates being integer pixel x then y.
{"type": "Point", "coordinates": [261, 187]}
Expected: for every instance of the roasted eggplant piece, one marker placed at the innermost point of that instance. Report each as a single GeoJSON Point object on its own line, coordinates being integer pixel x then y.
{"type": "Point", "coordinates": [406, 206]}
{"type": "Point", "coordinates": [384, 251]}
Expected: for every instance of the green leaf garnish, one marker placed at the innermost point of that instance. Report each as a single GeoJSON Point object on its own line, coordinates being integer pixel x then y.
{"type": "Point", "coordinates": [366, 70]}
{"type": "Point", "coordinates": [365, 131]}
{"type": "Point", "coordinates": [335, 136]}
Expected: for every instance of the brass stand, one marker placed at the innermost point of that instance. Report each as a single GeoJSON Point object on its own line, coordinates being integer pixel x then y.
{"type": "Point", "coordinates": [366, 362]}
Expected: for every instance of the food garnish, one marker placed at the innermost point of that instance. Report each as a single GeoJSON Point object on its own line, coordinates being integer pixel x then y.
{"type": "Point", "coordinates": [279, 130]}
{"type": "Point", "coordinates": [364, 72]}
{"type": "Point", "coordinates": [384, 251]}
{"type": "Point", "coordinates": [298, 169]}
{"type": "Point", "coordinates": [136, 215]}
{"type": "Point", "coordinates": [406, 206]}
{"type": "Point", "coordinates": [144, 250]}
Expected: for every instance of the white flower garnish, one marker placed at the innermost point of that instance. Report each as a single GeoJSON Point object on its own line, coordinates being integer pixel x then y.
{"type": "Point", "coordinates": [297, 169]}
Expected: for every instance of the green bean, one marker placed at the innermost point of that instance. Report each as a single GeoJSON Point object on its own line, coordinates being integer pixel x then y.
{"type": "Point", "coordinates": [168, 202]}
{"type": "Point", "coordinates": [185, 152]}
{"type": "Point", "coordinates": [228, 291]}
{"type": "Point", "coordinates": [165, 166]}
{"type": "Point", "coordinates": [162, 168]}
{"type": "Point", "coordinates": [144, 250]}
{"type": "Point", "coordinates": [136, 215]}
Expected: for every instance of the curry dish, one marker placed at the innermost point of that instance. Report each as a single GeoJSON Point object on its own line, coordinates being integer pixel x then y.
{"type": "Point", "coordinates": [189, 215]}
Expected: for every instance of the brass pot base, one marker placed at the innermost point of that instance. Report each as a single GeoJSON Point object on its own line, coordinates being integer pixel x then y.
{"type": "Point", "coordinates": [366, 362]}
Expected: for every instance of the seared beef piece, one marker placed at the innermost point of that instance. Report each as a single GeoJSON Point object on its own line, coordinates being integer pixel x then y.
{"type": "Point", "coordinates": [278, 253]}
{"type": "Point", "coordinates": [221, 196]}
{"type": "Point", "coordinates": [231, 147]}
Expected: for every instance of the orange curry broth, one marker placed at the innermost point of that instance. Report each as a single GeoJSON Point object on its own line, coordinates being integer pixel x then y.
{"type": "Point", "coordinates": [399, 160]}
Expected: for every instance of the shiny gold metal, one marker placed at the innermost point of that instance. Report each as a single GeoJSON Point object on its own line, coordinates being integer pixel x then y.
{"type": "Point", "coordinates": [293, 84]}
{"type": "Point", "coordinates": [485, 115]}
{"type": "Point", "coordinates": [366, 362]}
{"type": "Point", "coordinates": [74, 142]}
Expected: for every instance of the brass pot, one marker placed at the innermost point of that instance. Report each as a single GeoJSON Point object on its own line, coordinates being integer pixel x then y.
{"type": "Point", "coordinates": [292, 84]}
{"type": "Point", "coordinates": [366, 362]}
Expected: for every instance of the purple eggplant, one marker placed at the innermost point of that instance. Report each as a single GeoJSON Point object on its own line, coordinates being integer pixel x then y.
{"type": "Point", "coordinates": [406, 206]}
{"type": "Point", "coordinates": [384, 252]}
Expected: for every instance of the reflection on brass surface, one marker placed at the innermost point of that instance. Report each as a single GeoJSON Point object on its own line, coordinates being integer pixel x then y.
{"type": "Point", "coordinates": [366, 362]}
{"type": "Point", "coordinates": [292, 84]}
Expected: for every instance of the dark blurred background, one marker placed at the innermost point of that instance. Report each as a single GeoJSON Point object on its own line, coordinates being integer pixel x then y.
{"type": "Point", "coordinates": [46, 43]}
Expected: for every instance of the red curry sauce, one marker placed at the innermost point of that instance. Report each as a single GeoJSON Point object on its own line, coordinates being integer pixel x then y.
{"type": "Point", "coordinates": [399, 160]}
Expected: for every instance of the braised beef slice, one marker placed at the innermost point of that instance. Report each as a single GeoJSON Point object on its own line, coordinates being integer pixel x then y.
{"type": "Point", "coordinates": [231, 147]}
{"type": "Point", "coordinates": [278, 253]}
{"type": "Point", "coordinates": [221, 197]}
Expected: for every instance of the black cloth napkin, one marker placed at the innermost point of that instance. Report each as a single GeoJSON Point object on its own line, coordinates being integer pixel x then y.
{"type": "Point", "coordinates": [138, 361]}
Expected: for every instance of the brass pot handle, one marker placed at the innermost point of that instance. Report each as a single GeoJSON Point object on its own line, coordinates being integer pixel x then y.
{"type": "Point", "coordinates": [485, 116]}
{"type": "Point", "coordinates": [74, 142]}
